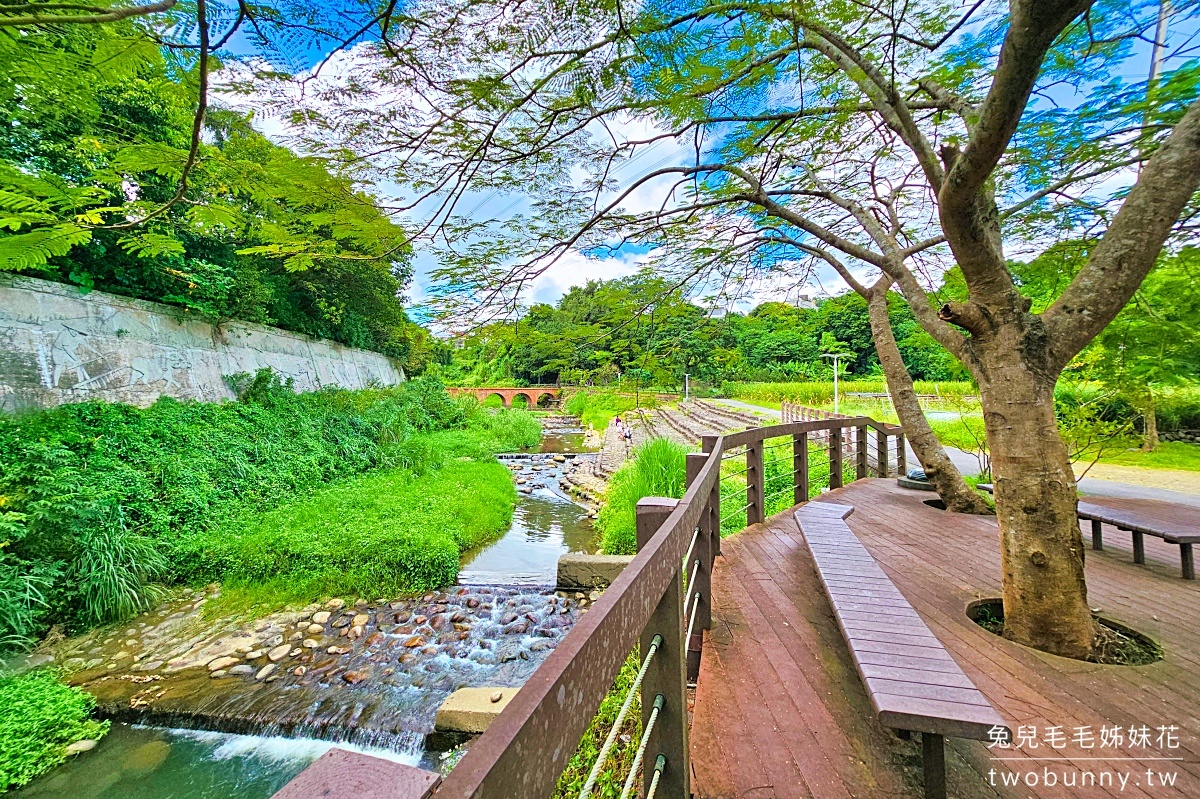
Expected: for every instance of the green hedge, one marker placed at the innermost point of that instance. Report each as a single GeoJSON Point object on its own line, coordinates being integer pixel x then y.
{"type": "Point", "coordinates": [821, 392]}
{"type": "Point", "coordinates": [1177, 408]}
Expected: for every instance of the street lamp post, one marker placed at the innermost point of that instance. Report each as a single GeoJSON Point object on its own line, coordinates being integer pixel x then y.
{"type": "Point", "coordinates": [836, 356]}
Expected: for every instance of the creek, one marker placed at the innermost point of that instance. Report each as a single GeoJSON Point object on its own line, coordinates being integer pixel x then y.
{"type": "Point", "coordinates": [246, 736]}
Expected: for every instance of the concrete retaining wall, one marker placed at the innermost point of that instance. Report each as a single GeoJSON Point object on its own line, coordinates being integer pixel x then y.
{"type": "Point", "coordinates": [58, 345]}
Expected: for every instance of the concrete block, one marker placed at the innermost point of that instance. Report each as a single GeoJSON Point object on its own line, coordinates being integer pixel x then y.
{"type": "Point", "coordinates": [581, 572]}
{"type": "Point", "coordinates": [471, 710]}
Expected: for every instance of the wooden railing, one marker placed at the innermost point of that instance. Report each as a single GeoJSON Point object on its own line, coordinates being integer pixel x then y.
{"type": "Point", "coordinates": [661, 602]}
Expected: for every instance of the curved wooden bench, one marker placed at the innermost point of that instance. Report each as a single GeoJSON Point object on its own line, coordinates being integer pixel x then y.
{"type": "Point", "coordinates": [913, 682]}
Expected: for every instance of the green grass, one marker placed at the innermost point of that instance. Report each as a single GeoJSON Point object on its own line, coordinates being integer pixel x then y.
{"type": "Point", "coordinates": [41, 718]}
{"type": "Point", "coordinates": [1168, 455]}
{"type": "Point", "coordinates": [657, 469]}
{"type": "Point", "coordinates": [377, 535]}
{"type": "Point", "coordinates": [598, 407]}
{"type": "Point", "coordinates": [817, 393]}
{"type": "Point", "coordinates": [97, 499]}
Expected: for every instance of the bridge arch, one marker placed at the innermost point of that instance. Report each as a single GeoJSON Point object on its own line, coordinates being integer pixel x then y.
{"type": "Point", "coordinates": [533, 395]}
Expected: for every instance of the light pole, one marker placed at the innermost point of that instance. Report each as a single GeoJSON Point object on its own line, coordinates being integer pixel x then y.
{"type": "Point", "coordinates": [836, 356]}
{"type": "Point", "coordinates": [685, 387]}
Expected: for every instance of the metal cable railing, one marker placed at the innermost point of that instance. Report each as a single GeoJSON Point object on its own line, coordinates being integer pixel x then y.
{"type": "Point", "coordinates": [602, 755]}
{"type": "Point", "coordinates": [659, 700]}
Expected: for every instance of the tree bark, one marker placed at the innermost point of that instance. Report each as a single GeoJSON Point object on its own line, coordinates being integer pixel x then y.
{"type": "Point", "coordinates": [940, 470]}
{"type": "Point", "coordinates": [1045, 595]}
{"type": "Point", "coordinates": [1149, 424]}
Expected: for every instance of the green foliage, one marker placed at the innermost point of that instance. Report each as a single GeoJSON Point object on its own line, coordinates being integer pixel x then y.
{"type": "Point", "coordinates": [642, 331]}
{"type": "Point", "coordinates": [41, 718]}
{"type": "Point", "coordinates": [99, 499]}
{"type": "Point", "coordinates": [598, 408]}
{"type": "Point", "coordinates": [380, 534]}
{"type": "Point", "coordinates": [657, 469]}
{"type": "Point", "coordinates": [265, 235]}
{"type": "Point", "coordinates": [620, 759]}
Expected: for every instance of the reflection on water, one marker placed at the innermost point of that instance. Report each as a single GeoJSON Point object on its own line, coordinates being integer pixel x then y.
{"type": "Point", "coordinates": [546, 523]}
{"type": "Point", "coordinates": [156, 763]}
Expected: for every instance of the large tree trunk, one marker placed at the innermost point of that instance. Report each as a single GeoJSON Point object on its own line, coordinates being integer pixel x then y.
{"type": "Point", "coordinates": [940, 470]}
{"type": "Point", "coordinates": [1045, 596]}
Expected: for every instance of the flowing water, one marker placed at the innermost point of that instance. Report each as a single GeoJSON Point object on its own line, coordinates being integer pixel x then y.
{"type": "Point", "coordinates": [514, 621]}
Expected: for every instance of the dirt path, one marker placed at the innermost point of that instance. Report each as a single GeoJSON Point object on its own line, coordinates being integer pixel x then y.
{"type": "Point", "coordinates": [1170, 479]}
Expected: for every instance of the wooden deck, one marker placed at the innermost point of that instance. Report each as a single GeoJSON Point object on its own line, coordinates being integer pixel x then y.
{"type": "Point", "coordinates": [780, 711]}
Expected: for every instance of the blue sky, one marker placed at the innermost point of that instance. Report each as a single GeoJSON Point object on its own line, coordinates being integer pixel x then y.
{"type": "Point", "coordinates": [578, 268]}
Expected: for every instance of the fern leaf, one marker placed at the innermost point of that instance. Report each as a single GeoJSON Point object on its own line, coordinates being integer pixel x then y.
{"type": "Point", "coordinates": [33, 249]}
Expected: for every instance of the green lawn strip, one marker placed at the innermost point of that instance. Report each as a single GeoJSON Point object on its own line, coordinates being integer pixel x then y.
{"type": "Point", "coordinates": [1179, 455]}
{"type": "Point", "coordinates": [383, 534]}
{"type": "Point", "coordinates": [41, 718]}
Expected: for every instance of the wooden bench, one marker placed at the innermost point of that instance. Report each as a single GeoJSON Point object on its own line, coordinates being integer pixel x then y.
{"type": "Point", "coordinates": [1177, 531]}
{"type": "Point", "coordinates": [1141, 525]}
{"type": "Point", "coordinates": [913, 682]}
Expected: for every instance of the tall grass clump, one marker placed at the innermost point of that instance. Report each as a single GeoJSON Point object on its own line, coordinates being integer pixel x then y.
{"type": "Point", "coordinates": [657, 469]}
{"type": "Point", "coordinates": [41, 718]}
{"type": "Point", "coordinates": [820, 392]}
{"type": "Point", "coordinates": [98, 500]}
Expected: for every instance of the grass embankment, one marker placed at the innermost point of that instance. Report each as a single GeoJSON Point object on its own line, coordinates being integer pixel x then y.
{"type": "Point", "coordinates": [41, 718]}
{"type": "Point", "coordinates": [657, 469]}
{"type": "Point", "coordinates": [101, 503]}
{"type": "Point", "coordinates": [597, 407]}
{"type": "Point", "coordinates": [379, 535]}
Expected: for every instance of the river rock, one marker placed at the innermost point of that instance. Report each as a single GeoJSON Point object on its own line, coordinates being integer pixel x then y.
{"type": "Point", "coordinates": [222, 663]}
{"type": "Point", "coordinates": [414, 642]}
{"type": "Point", "coordinates": [355, 632]}
{"type": "Point", "coordinates": [296, 636]}
{"type": "Point", "coordinates": [218, 674]}
{"type": "Point", "coordinates": [299, 671]}
{"type": "Point", "coordinates": [315, 629]}
{"type": "Point", "coordinates": [355, 677]}
{"type": "Point", "coordinates": [279, 653]}
{"type": "Point", "coordinates": [320, 617]}
{"type": "Point", "coordinates": [255, 654]}
{"type": "Point", "coordinates": [360, 620]}
{"type": "Point", "coordinates": [342, 621]}
{"type": "Point", "coordinates": [242, 669]}
{"type": "Point", "coordinates": [86, 745]}
{"type": "Point", "coordinates": [516, 628]}
{"type": "Point", "coordinates": [338, 650]}
{"type": "Point", "coordinates": [437, 622]}
{"type": "Point", "coordinates": [472, 602]}
{"type": "Point", "coordinates": [335, 604]}
{"type": "Point", "coordinates": [508, 618]}
{"type": "Point", "coordinates": [309, 643]}
{"type": "Point", "coordinates": [265, 672]}
{"type": "Point", "coordinates": [419, 620]}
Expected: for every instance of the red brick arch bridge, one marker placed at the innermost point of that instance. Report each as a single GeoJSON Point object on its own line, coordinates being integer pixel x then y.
{"type": "Point", "coordinates": [533, 394]}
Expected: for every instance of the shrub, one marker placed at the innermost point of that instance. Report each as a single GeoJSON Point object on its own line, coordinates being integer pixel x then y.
{"type": "Point", "coordinates": [657, 469]}
{"type": "Point", "coordinates": [41, 718]}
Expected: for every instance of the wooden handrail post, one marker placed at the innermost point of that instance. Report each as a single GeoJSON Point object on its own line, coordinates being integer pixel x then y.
{"type": "Point", "coordinates": [835, 457]}
{"type": "Point", "coordinates": [755, 483]}
{"type": "Point", "coordinates": [881, 453]}
{"type": "Point", "coordinates": [702, 582]}
{"type": "Point", "coordinates": [901, 455]}
{"type": "Point", "coordinates": [708, 444]}
{"type": "Point", "coordinates": [667, 672]}
{"type": "Point", "coordinates": [800, 467]}
{"type": "Point", "coordinates": [860, 447]}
